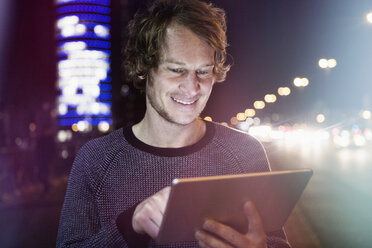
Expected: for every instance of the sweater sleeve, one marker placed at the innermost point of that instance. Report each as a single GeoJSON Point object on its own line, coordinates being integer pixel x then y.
{"type": "Point", "coordinates": [80, 224]}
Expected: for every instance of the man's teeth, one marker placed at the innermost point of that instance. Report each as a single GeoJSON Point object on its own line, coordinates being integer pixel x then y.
{"type": "Point", "coordinates": [183, 102]}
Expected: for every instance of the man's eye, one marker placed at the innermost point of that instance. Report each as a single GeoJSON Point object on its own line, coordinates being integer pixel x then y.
{"type": "Point", "coordinates": [204, 73]}
{"type": "Point", "coordinates": [176, 70]}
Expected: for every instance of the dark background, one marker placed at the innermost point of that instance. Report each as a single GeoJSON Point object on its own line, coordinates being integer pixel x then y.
{"type": "Point", "coordinates": [271, 43]}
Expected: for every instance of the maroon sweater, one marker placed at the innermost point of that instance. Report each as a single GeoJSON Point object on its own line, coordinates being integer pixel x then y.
{"type": "Point", "coordinates": [112, 174]}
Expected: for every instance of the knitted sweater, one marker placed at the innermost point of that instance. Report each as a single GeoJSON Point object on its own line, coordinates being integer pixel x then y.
{"type": "Point", "coordinates": [112, 174]}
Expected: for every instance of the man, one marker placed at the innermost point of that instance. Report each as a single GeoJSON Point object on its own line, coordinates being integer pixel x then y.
{"type": "Point", "coordinates": [119, 184]}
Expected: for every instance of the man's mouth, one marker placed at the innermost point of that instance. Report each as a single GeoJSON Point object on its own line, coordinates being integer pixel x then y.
{"type": "Point", "coordinates": [183, 102]}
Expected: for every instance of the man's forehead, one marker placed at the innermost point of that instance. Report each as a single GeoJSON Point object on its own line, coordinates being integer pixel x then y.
{"type": "Point", "coordinates": [180, 40]}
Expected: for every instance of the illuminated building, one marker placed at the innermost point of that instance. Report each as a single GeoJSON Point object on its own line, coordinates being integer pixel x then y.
{"type": "Point", "coordinates": [84, 65]}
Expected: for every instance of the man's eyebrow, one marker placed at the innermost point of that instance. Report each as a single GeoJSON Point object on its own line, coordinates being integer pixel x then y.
{"type": "Point", "coordinates": [173, 62]}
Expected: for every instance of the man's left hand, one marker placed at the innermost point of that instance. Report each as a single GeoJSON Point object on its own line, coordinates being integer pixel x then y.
{"type": "Point", "coordinates": [218, 235]}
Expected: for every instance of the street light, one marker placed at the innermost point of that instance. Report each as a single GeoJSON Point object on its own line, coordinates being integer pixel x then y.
{"type": "Point", "coordinates": [320, 118]}
{"type": "Point", "coordinates": [259, 104]}
{"type": "Point", "coordinates": [284, 91]}
{"type": "Point", "coordinates": [327, 63]}
{"type": "Point", "coordinates": [270, 98]}
{"type": "Point", "coordinates": [301, 82]}
{"type": "Point", "coordinates": [250, 112]}
{"type": "Point", "coordinates": [369, 17]}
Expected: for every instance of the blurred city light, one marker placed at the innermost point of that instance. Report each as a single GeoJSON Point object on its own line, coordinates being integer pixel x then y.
{"type": "Point", "coordinates": [234, 120]}
{"type": "Point", "coordinates": [64, 154]}
{"type": "Point", "coordinates": [244, 126]}
{"type": "Point", "coordinates": [32, 127]}
{"type": "Point", "coordinates": [270, 98]}
{"type": "Point", "coordinates": [249, 121]}
{"type": "Point", "coordinates": [256, 121]}
{"type": "Point", "coordinates": [250, 112]}
{"type": "Point", "coordinates": [103, 126]}
{"type": "Point", "coordinates": [208, 118]}
{"type": "Point", "coordinates": [284, 91]}
{"type": "Point", "coordinates": [240, 116]}
{"type": "Point", "coordinates": [320, 118]}
{"type": "Point", "coordinates": [332, 63]}
{"type": "Point", "coordinates": [369, 17]}
{"type": "Point", "coordinates": [366, 114]}
{"type": "Point", "coordinates": [259, 104]}
{"type": "Point", "coordinates": [261, 132]}
{"type": "Point", "coordinates": [301, 82]}
{"type": "Point", "coordinates": [324, 63]}
{"type": "Point", "coordinates": [224, 124]}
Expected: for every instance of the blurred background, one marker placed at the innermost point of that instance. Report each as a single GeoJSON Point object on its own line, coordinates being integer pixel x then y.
{"type": "Point", "coordinates": [301, 83]}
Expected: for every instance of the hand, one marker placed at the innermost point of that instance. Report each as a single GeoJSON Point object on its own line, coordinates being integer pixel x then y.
{"type": "Point", "coordinates": [219, 235]}
{"type": "Point", "coordinates": [148, 215]}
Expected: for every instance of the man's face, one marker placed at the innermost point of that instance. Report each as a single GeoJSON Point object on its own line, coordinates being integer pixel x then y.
{"type": "Point", "coordinates": [179, 88]}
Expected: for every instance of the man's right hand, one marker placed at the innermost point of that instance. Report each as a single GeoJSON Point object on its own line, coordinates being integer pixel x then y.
{"type": "Point", "coordinates": [149, 214]}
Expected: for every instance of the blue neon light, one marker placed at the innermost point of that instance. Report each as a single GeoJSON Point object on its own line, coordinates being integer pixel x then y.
{"type": "Point", "coordinates": [91, 44]}
{"type": "Point", "coordinates": [93, 121]}
{"type": "Point", "coordinates": [72, 114]}
{"type": "Point", "coordinates": [107, 79]}
{"type": "Point", "coordinates": [104, 96]}
{"type": "Point", "coordinates": [90, 13]}
{"type": "Point", "coordinates": [62, 54]}
{"type": "Point", "coordinates": [83, 8]}
{"type": "Point", "coordinates": [99, 2]}
{"type": "Point", "coordinates": [87, 35]}
{"type": "Point", "coordinates": [105, 87]}
{"type": "Point", "coordinates": [91, 17]}
{"type": "Point", "coordinates": [91, 25]}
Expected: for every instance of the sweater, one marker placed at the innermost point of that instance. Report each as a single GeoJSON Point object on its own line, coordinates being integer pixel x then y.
{"type": "Point", "coordinates": [112, 174]}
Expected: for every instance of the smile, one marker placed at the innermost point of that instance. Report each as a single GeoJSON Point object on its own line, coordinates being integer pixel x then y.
{"type": "Point", "coordinates": [183, 102]}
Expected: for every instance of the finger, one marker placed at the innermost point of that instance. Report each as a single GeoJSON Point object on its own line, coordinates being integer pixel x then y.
{"type": "Point", "coordinates": [210, 241]}
{"type": "Point", "coordinates": [142, 222]}
{"type": "Point", "coordinates": [225, 232]}
{"type": "Point", "coordinates": [161, 198]}
{"type": "Point", "coordinates": [203, 245]}
{"type": "Point", "coordinates": [151, 229]}
{"type": "Point", "coordinates": [157, 217]}
{"type": "Point", "coordinates": [255, 225]}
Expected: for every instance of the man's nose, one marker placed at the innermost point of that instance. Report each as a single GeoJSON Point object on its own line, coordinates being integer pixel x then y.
{"type": "Point", "coordinates": [191, 84]}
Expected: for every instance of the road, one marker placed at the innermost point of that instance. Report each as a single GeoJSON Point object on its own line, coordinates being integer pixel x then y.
{"type": "Point", "coordinates": [336, 206]}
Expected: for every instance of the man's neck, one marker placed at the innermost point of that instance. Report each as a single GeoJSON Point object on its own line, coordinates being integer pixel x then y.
{"type": "Point", "coordinates": [169, 135]}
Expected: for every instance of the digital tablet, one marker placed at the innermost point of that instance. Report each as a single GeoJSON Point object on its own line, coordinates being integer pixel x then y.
{"type": "Point", "coordinates": [193, 200]}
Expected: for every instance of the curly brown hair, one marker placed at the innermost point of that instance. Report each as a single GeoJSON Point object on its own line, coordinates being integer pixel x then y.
{"type": "Point", "coordinates": [147, 34]}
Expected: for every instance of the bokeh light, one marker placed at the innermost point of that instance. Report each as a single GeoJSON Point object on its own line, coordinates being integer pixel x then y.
{"type": "Point", "coordinates": [270, 98]}
{"type": "Point", "coordinates": [320, 118]}
{"type": "Point", "coordinates": [323, 63]}
{"type": "Point", "coordinates": [366, 114]}
{"type": "Point", "coordinates": [284, 91]}
{"type": "Point", "coordinates": [259, 104]}
{"type": "Point", "coordinates": [250, 112]}
{"type": "Point", "coordinates": [240, 116]}
{"type": "Point", "coordinates": [301, 82]}
{"type": "Point", "coordinates": [369, 17]}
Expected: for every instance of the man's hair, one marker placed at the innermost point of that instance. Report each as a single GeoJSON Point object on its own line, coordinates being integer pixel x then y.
{"type": "Point", "coordinates": [147, 32]}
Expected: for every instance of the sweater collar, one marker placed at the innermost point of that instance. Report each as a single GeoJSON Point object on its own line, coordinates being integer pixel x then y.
{"type": "Point", "coordinates": [170, 152]}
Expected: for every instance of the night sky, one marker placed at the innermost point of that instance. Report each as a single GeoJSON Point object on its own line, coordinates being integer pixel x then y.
{"type": "Point", "coordinates": [271, 43]}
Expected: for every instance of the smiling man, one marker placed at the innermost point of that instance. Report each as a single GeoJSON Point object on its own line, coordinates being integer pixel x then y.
{"type": "Point", "coordinates": [119, 184]}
